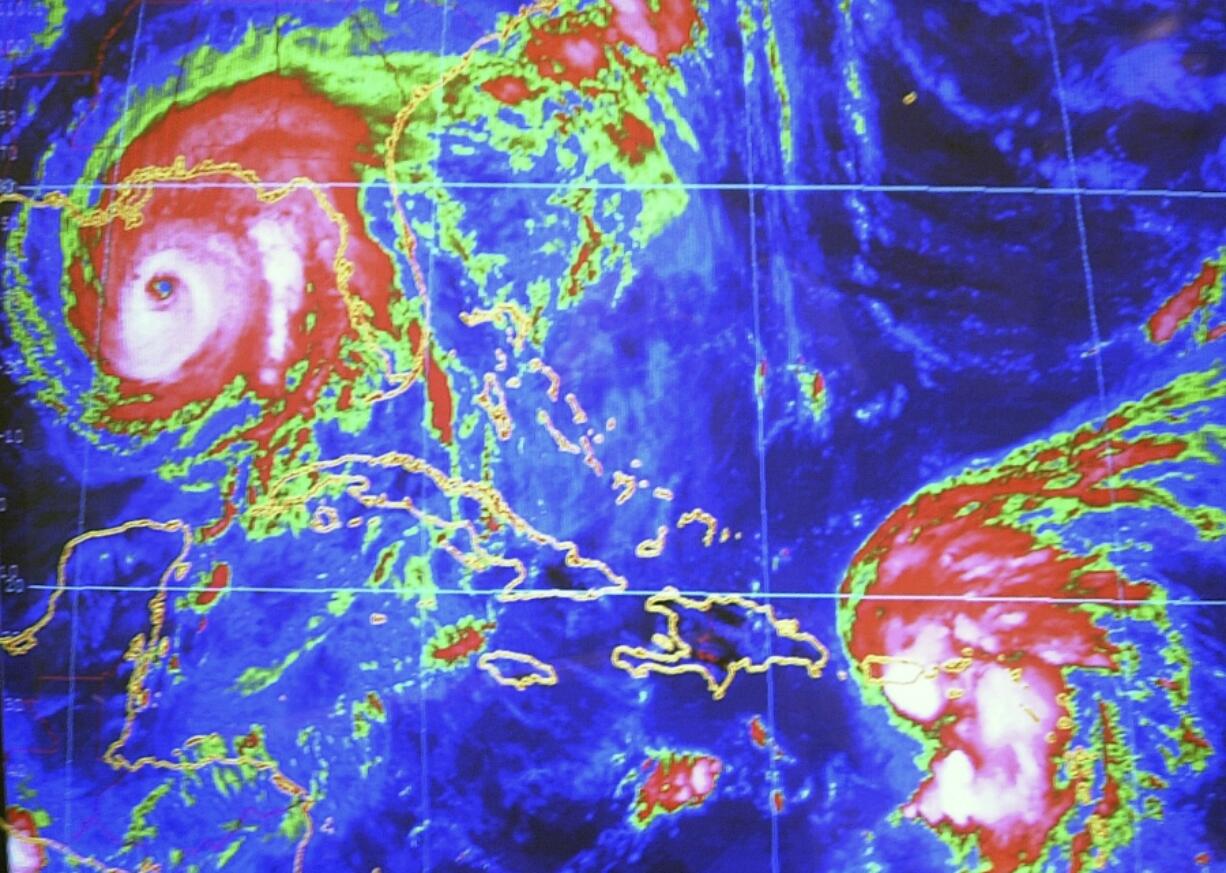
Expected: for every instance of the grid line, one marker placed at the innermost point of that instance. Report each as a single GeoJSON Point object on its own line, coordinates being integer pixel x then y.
{"type": "Point", "coordinates": [1095, 333]}
{"type": "Point", "coordinates": [648, 592]}
{"type": "Point", "coordinates": [86, 452]}
{"type": "Point", "coordinates": [422, 537]}
{"type": "Point", "coordinates": [755, 284]}
{"type": "Point", "coordinates": [34, 190]}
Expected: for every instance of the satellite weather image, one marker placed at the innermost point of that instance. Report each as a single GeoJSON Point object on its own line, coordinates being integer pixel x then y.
{"type": "Point", "coordinates": [677, 436]}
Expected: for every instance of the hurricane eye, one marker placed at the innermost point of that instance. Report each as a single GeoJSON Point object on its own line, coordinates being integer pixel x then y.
{"type": "Point", "coordinates": [161, 288]}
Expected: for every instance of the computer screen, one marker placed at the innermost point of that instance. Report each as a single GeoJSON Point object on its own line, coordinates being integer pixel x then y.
{"type": "Point", "coordinates": [612, 435]}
